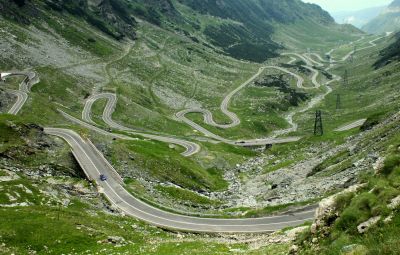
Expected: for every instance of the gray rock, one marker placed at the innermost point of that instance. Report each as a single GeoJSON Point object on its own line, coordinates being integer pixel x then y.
{"type": "Point", "coordinates": [395, 203]}
{"type": "Point", "coordinates": [363, 227]}
{"type": "Point", "coordinates": [115, 240]}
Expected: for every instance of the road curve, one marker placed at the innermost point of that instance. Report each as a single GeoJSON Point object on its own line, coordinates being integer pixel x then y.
{"type": "Point", "coordinates": [292, 60]}
{"type": "Point", "coordinates": [289, 118]}
{"type": "Point", "coordinates": [208, 117]}
{"type": "Point", "coordinates": [19, 103]}
{"type": "Point", "coordinates": [310, 66]}
{"type": "Point", "coordinates": [225, 103]}
{"type": "Point", "coordinates": [24, 88]}
{"type": "Point", "coordinates": [314, 76]}
{"type": "Point", "coordinates": [190, 147]}
{"type": "Point", "coordinates": [306, 60]}
{"type": "Point", "coordinates": [319, 57]}
{"type": "Point", "coordinates": [94, 164]}
{"type": "Point", "coordinates": [312, 103]}
{"type": "Point", "coordinates": [300, 80]}
{"type": "Point", "coordinates": [372, 44]}
{"type": "Point", "coordinates": [308, 56]}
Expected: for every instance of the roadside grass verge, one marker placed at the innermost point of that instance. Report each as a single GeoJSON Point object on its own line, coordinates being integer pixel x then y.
{"type": "Point", "coordinates": [162, 163]}
{"type": "Point", "coordinates": [185, 195]}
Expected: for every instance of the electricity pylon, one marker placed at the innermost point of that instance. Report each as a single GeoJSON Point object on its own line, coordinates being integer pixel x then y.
{"type": "Point", "coordinates": [318, 128]}
{"type": "Point", "coordinates": [346, 78]}
{"type": "Point", "coordinates": [338, 102]}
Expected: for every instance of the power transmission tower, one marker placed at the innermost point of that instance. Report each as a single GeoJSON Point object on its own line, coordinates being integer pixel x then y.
{"type": "Point", "coordinates": [346, 78]}
{"type": "Point", "coordinates": [318, 128]}
{"type": "Point", "coordinates": [353, 54]}
{"type": "Point", "coordinates": [338, 102]}
{"type": "Point", "coordinates": [328, 57]}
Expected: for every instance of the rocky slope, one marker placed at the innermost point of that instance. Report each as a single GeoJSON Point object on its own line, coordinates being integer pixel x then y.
{"type": "Point", "coordinates": [247, 27]}
{"type": "Point", "coordinates": [241, 29]}
{"type": "Point", "coordinates": [111, 17]}
{"type": "Point", "coordinates": [391, 53]}
{"type": "Point", "coordinates": [175, 55]}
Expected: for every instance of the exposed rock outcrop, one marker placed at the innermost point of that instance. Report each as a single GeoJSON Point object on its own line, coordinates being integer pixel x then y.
{"type": "Point", "coordinates": [363, 227]}
{"type": "Point", "coordinates": [326, 213]}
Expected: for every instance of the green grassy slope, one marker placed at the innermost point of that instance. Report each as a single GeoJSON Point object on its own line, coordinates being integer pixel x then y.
{"type": "Point", "coordinates": [255, 30]}
{"type": "Point", "coordinates": [168, 68]}
{"type": "Point", "coordinates": [48, 208]}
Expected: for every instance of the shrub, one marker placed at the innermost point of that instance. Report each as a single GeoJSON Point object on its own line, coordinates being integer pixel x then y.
{"type": "Point", "coordinates": [391, 163]}
{"type": "Point", "coordinates": [365, 202]}
{"type": "Point", "coordinates": [348, 220]}
{"type": "Point", "coordinates": [380, 210]}
{"type": "Point", "coordinates": [343, 201]}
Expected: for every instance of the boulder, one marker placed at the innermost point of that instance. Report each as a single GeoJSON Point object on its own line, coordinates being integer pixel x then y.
{"type": "Point", "coordinates": [363, 227]}
{"type": "Point", "coordinates": [395, 203]}
{"type": "Point", "coordinates": [294, 249]}
{"type": "Point", "coordinates": [326, 212]}
{"type": "Point", "coordinates": [378, 165]}
{"type": "Point", "coordinates": [116, 240]}
{"type": "Point", "coordinates": [388, 219]}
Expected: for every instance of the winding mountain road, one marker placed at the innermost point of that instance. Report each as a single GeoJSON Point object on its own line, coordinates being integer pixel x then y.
{"type": "Point", "coordinates": [94, 164]}
{"type": "Point", "coordinates": [24, 88]}
{"type": "Point", "coordinates": [348, 55]}
{"type": "Point", "coordinates": [208, 117]}
{"type": "Point", "coordinates": [191, 148]}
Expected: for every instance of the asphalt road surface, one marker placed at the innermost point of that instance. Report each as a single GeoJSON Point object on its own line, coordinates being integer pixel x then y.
{"type": "Point", "coordinates": [24, 88]}
{"type": "Point", "coordinates": [191, 148]}
{"type": "Point", "coordinates": [94, 164]}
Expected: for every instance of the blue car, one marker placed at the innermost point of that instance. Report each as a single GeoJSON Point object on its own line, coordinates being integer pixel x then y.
{"type": "Point", "coordinates": [103, 177]}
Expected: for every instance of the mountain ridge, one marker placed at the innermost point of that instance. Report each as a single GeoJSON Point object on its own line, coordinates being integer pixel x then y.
{"type": "Point", "coordinates": [387, 21]}
{"type": "Point", "coordinates": [358, 18]}
{"type": "Point", "coordinates": [241, 29]}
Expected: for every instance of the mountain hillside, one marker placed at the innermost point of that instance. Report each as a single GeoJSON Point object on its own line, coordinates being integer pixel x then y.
{"type": "Point", "coordinates": [247, 28]}
{"type": "Point", "coordinates": [110, 16]}
{"type": "Point", "coordinates": [121, 118]}
{"type": "Point", "coordinates": [250, 30]}
{"type": "Point", "coordinates": [387, 21]}
{"type": "Point", "coordinates": [391, 53]}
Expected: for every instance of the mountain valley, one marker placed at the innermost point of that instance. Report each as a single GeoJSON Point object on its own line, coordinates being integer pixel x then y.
{"type": "Point", "coordinates": [192, 127]}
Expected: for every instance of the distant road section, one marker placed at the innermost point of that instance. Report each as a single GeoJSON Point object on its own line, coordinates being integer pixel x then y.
{"type": "Point", "coordinates": [235, 121]}
{"type": "Point", "coordinates": [191, 148]}
{"type": "Point", "coordinates": [24, 88]}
